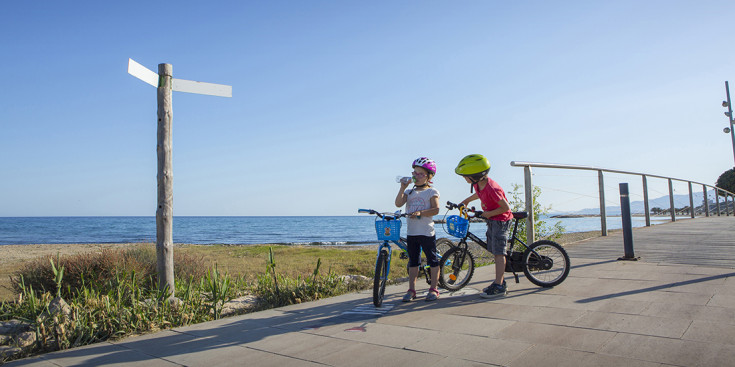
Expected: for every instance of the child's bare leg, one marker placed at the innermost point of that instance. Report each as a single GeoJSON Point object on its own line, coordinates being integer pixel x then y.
{"type": "Point", "coordinates": [499, 268]}
{"type": "Point", "coordinates": [413, 273]}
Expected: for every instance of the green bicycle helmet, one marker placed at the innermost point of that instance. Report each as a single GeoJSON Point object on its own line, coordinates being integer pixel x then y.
{"type": "Point", "coordinates": [474, 165]}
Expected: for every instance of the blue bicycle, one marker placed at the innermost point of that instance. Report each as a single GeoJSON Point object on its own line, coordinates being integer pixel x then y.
{"type": "Point", "coordinates": [388, 229]}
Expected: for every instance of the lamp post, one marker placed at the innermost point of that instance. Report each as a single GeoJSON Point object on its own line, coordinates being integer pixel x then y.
{"type": "Point", "coordinates": [730, 129]}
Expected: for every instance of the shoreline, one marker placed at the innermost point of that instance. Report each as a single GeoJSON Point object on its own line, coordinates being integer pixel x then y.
{"type": "Point", "coordinates": [12, 253]}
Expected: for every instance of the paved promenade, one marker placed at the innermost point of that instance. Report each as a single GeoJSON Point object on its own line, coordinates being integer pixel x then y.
{"type": "Point", "coordinates": [674, 307]}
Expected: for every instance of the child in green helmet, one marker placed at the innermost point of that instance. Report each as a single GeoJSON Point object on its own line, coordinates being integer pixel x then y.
{"type": "Point", "coordinates": [496, 210]}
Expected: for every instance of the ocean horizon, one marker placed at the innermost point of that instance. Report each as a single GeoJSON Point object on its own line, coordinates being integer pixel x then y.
{"type": "Point", "coordinates": [236, 230]}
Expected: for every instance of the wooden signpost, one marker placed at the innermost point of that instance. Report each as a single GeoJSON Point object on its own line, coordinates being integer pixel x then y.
{"type": "Point", "coordinates": [165, 84]}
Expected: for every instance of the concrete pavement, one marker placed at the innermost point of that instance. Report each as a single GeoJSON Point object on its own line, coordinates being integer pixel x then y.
{"type": "Point", "coordinates": [607, 313]}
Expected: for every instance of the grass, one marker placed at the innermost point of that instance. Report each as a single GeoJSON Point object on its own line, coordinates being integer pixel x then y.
{"type": "Point", "coordinates": [113, 294]}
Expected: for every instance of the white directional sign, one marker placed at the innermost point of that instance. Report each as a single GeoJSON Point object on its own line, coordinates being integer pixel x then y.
{"type": "Point", "coordinates": [141, 72]}
{"type": "Point", "coordinates": [189, 86]}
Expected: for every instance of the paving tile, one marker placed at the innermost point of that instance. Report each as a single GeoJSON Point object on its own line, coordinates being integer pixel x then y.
{"type": "Point", "coordinates": [716, 332]}
{"type": "Point", "coordinates": [547, 315]}
{"type": "Point", "coordinates": [657, 349]}
{"type": "Point", "coordinates": [459, 362]}
{"type": "Point", "coordinates": [544, 355]}
{"type": "Point", "coordinates": [99, 354]}
{"type": "Point", "coordinates": [302, 345]}
{"type": "Point", "coordinates": [378, 334]}
{"type": "Point", "coordinates": [691, 312]}
{"type": "Point", "coordinates": [470, 347]}
{"type": "Point", "coordinates": [554, 335]}
{"type": "Point", "coordinates": [634, 324]}
{"type": "Point", "coordinates": [722, 300]}
{"type": "Point", "coordinates": [371, 355]}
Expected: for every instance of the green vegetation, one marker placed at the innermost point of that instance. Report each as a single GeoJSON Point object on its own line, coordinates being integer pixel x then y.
{"type": "Point", "coordinates": [726, 181]}
{"type": "Point", "coordinates": [113, 294]}
{"type": "Point", "coordinates": [542, 229]}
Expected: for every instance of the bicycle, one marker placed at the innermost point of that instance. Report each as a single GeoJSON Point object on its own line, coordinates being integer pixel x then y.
{"type": "Point", "coordinates": [545, 263]}
{"type": "Point", "coordinates": [388, 229]}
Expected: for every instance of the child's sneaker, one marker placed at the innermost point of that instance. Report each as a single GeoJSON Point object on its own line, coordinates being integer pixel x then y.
{"type": "Point", "coordinates": [484, 290]}
{"type": "Point", "coordinates": [409, 296]}
{"type": "Point", "coordinates": [495, 291]}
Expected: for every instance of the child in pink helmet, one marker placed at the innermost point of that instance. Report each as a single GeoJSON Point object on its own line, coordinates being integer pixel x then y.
{"type": "Point", "coordinates": [422, 202]}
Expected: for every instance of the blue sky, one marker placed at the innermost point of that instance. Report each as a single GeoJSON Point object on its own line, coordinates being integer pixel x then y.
{"type": "Point", "coordinates": [333, 99]}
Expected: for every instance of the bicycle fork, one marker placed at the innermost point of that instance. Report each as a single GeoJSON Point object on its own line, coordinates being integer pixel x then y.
{"type": "Point", "coordinates": [385, 246]}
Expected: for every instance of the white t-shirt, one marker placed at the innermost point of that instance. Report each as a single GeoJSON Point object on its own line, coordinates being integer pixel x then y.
{"type": "Point", "coordinates": [420, 200]}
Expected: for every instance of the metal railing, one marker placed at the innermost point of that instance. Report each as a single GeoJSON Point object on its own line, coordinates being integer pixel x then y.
{"type": "Point", "coordinates": [528, 186]}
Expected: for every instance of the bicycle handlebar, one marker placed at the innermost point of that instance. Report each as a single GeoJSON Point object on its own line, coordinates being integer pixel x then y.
{"type": "Point", "coordinates": [387, 216]}
{"type": "Point", "coordinates": [462, 208]}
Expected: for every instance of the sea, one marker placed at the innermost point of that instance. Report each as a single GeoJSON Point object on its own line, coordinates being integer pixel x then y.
{"type": "Point", "coordinates": [297, 230]}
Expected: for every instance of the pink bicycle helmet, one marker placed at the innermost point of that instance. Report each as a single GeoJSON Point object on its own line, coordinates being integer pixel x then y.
{"type": "Point", "coordinates": [425, 163]}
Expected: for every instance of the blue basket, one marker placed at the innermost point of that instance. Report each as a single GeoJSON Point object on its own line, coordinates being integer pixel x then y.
{"type": "Point", "coordinates": [388, 230]}
{"type": "Point", "coordinates": [457, 226]}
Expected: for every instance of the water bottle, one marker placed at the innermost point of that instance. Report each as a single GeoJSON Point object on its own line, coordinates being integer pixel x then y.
{"type": "Point", "coordinates": [403, 179]}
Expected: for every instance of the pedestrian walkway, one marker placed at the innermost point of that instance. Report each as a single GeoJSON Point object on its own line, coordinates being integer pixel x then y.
{"type": "Point", "coordinates": [651, 312]}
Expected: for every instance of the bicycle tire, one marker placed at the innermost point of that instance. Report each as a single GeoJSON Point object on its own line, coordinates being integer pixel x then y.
{"type": "Point", "coordinates": [443, 245]}
{"type": "Point", "coordinates": [551, 269]}
{"type": "Point", "coordinates": [459, 263]}
{"type": "Point", "coordinates": [380, 279]}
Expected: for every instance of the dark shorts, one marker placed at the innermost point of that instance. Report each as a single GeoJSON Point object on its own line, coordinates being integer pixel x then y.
{"type": "Point", "coordinates": [417, 243]}
{"type": "Point", "coordinates": [497, 236]}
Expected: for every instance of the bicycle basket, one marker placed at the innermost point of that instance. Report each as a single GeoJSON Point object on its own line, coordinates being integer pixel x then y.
{"type": "Point", "coordinates": [457, 226]}
{"type": "Point", "coordinates": [388, 230]}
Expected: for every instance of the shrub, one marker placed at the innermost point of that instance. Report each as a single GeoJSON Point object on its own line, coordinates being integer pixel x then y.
{"type": "Point", "coordinates": [101, 271]}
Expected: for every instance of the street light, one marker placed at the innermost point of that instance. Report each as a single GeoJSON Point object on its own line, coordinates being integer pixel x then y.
{"type": "Point", "coordinates": [730, 129]}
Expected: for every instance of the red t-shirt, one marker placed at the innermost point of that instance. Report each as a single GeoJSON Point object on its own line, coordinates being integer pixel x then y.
{"type": "Point", "coordinates": [489, 197]}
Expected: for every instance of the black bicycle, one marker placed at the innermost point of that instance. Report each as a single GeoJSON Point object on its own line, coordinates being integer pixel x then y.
{"type": "Point", "coordinates": [545, 263]}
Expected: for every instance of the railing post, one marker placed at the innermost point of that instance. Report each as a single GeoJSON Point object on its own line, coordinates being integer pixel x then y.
{"type": "Point", "coordinates": [603, 216]}
{"type": "Point", "coordinates": [717, 198]}
{"type": "Point", "coordinates": [530, 234]}
{"type": "Point", "coordinates": [671, 201]}
{"type": "Point", "coordinates": [727, 207]}
{"type": "Point", "coordinates": [646, 209]}
{"type": "Point", "coordinates": [691, 200]}
{"type": "Point", "coordinates": [706, 201]}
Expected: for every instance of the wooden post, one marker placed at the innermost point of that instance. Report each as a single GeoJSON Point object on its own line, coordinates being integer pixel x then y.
{"type": "Point", "coordinates": [691, 200]}
{"type": "Point", "coordinates": [706, 201]}
{"type": "Point", "coordinates": [603, 212]}
{"type": "Point", "coordinates": [671, 201]}
{"type": "Point", "coordinates": [164, 212]}
{"type": "Point", "coordinates": [645, 201]}
{"type": "Point", "coordinates": [528, 184]}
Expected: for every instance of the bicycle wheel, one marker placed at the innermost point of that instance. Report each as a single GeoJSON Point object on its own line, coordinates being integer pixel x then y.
{"type": "Point", "coordinates": [547, 265]}
{"type": "Point", "coordinates": [456, 268]}
{"type": "Point", "coordinates": [381, 277]}
{"type": "Point", "coordinates": [443, 245]}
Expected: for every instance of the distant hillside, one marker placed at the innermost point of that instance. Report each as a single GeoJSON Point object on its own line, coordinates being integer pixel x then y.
{"type": "Point", "coordinates": [637, 207]}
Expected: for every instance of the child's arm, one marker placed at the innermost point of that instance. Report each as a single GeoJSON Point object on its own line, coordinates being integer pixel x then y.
{"type": "Point", "coordinates": [470, 199]}
{"type": "Point", "coordinates": [401, 198]}
{"type": "Point", "coordinates": [434, 210]}
{"type": "Point", "coordinates": [503, 207]}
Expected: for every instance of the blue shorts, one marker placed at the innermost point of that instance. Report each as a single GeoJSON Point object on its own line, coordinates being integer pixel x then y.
{"type": "Point", "coordinates": [497, 236]}
{"type": "Point", "coordinates": [417, 243]}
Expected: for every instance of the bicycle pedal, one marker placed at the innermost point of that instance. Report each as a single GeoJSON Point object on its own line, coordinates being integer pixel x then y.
{"type": "Point", "coordinates": [404, 256]}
